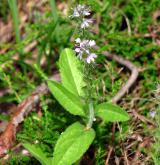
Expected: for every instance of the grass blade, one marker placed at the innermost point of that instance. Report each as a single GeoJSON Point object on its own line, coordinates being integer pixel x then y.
{"type": "Point", "coordinates": [14, 12]}
{"type": "Point", "coordinates": [54, 10]}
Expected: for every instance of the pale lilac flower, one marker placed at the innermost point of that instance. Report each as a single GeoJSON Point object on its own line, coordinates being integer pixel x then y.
{"type": "Point", "coordinates": [85, 44]}
{"type": "Point", "coordinates": [78, 40]}
{"type": "Point", "coordinates": [25, 152]}
{"type": "Point", "coordinates": [84, 47]}
{"type": "Point", "coordinates": [77, 50]}
{"type": "Point", "coordinates": [92, 43]}
{"type": "Point", "coordinates": [83, 50]}
{"type": "Point", "coordinates": [153, 114]}
{"type": "Point", "coordinates": [81, 11]}
{"type": "Point", "coordinates": [91, 58]}
{"type": "Point", "coordinates": [76, 13]}
{"type": "Point", "coordinates": [86, 23]}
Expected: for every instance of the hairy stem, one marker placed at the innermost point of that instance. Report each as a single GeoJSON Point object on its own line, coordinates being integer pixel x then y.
{"type": "Point", "coordinates": [91, 115]}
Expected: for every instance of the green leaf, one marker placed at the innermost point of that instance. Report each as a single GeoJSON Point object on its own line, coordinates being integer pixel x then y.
{"type": "Point", "coordinates": [72, 144]}
{"type": "Point", "coordinates": [67, 99]}
{"type": "Point", "coordinates": [38, 153]}
{"type": "Point", "coordinates": [71, 74]}
{"type": "Point", "coordinates": [111, 112]}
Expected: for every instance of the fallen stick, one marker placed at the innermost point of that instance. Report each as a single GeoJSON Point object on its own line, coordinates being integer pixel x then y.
{"type": "Point", "coordinates": [109, 155]}
{"type": "Point", "coordinates": [8, 136]}
{"type": "Point", "coordinates": [132, 79]}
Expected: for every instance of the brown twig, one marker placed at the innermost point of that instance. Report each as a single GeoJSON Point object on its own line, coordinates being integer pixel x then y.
{"type": "Point", "coordinates": [132, 79]}
{"type": "Point", "coordinates": [142, 118]}
{"type": "Point", "coordinates": [8, 136]}
{"type": "Point", "coordinates": [124, 89]}
{"type": "Point", "coordinates": [109, 155]}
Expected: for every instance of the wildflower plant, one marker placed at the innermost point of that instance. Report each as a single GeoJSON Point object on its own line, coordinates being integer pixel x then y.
{"type": "Point", "coordinates": [75, 94]}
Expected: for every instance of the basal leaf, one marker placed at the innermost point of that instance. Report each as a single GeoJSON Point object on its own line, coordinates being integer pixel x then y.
{"type": "Point", "coordinates": [111, 112]}
{"type": "Point", "coordinates": [67, 99]}
{"type": "Point", "coordinates": [72, 144]}
{"type": "Point", "coordinates": [38, 154]}
{"type": "Point", "coordinates": [71, 74]}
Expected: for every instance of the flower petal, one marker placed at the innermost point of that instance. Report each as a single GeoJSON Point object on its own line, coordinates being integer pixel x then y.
{"type": "Point", "coordinates": [77, 50]}
{"type": "Point", "coordinates": [92, 43]}
{"type": "Point", "coordinates": [78, 40]}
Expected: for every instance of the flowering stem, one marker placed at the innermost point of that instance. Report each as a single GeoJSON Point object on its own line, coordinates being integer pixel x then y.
{"type": "Point", "coordinates": [91, 115]}
{"type": "Point", "coordinates": [83, 48]}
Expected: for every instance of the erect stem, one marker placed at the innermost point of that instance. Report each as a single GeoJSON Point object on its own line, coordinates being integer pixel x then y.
{"type": "Point", "coordinates": [91, 115]}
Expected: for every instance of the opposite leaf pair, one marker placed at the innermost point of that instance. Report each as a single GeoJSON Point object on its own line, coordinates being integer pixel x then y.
{"type": "Point", "coordinates": [74, 142]}
{"type": "Point", "coordinates": [77, 138]}
{"type": "Point", "coordinates": [70, 92]}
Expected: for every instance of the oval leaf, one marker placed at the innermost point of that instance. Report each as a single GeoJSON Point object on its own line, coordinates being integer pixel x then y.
{"type": "Point", "coordinates": [70, 71]}
{"type": "Point", "coordinates": [38, 154]}
{"type": "Point", "coordinates": [72, 144]}
{"type": "Point", "coordinates": [111, 112]}
{"type": "Point", "coordinates": [68, 100]}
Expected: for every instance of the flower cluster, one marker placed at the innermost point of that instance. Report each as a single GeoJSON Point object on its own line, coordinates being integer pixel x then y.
{"type": "Point", "coordinates": [81, 11]}
{"type": "Point", "coordinates": [83, 49]}
{"type": "Point", "coordinates": [83, 46]}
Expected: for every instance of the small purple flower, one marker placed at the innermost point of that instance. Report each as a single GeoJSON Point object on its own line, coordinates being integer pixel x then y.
{"type": "Point", "coordinates": [78, 40]}
{"type": "Point", "coordinates": [81, 11]}
{"type": "Point", "coordinates": [84, 47]}
{"type": "Point", "coordinates": [77, 50]}
{"type": "Point", "coordinates": [92, 43]}
{"type": "Point", "coordinates": [83, 50]}
{"type": "Point", "coordinates": [25, 152]}
{"type": "Point", "coordinates": [153, 114]}
{"type": "Point", "coordinates": [91, 58]}
{"type": "Point", "coordinates": [86, 23]}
